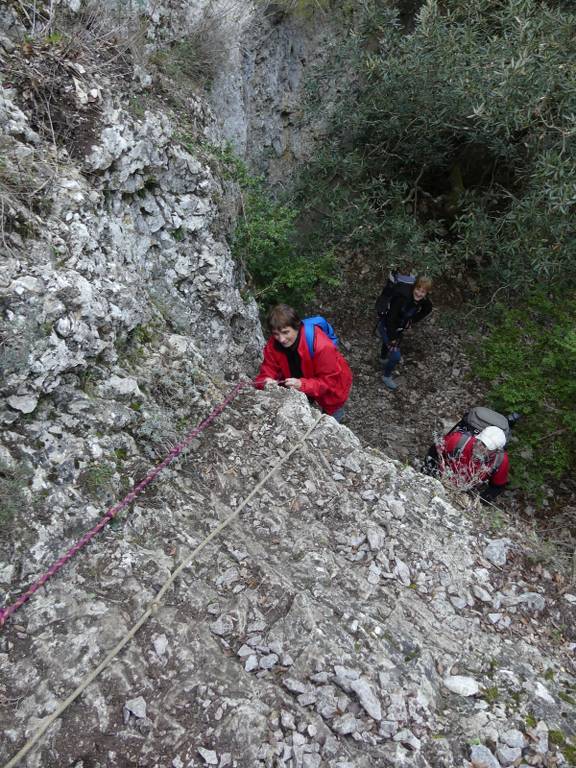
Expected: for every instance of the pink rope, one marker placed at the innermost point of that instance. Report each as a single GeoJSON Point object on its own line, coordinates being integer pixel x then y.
{"type": "Point", "coordinates": [128, 499]}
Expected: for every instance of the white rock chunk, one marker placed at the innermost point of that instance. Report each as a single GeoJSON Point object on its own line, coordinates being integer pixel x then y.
{"type": "Point", "coordinates": [23, 403]}
{"type": "Point", "coordinates": [160, 644]}
{"type": "Point", "coordinates": [346, 724]}
{"type": "Point", "coordinates": [482, 757]}
{"type": "Point", "coordinates": [222, 626]}
{"type": "Point", "coordinates": [136, 707]}
{"type": "Point", "coordinates": [118, 386]}
{"type": "Point", "coordinates": [267, 662]}
{"type": "Point", "coordinates": [543, 693]}
{"type": "Point", "coordinates": [514, 738]}
{"type": "Point", "coordinates": [402, 572]}
{"type": "Point", "coordinates": [208, 755]}
{"type": "Point", "coordinates": [463, 686]}
{"type": "Point", "coordinates": [508, 755]}
{"type": "Point", "coordinates": [251, 663]}
{"type": "Point", "coordinates": [497, 551]}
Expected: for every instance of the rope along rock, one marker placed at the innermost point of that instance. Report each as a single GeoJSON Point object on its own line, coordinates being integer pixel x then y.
{"type": "Point", "coordinates": [153, 607]}
{"type": "Point", "coordinates": [128, 499]}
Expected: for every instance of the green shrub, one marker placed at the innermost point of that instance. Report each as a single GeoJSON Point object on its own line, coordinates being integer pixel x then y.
{"type": "Point", "coordinates": [265, 242]}
{"type": "Point", "coordinates": [530, 358]}
{"type": "Point", "coordinates": [97, 480]}
{"type": "Point", "coordinates": [201, 53]}
{"type": "Point", "coordinates": [491, 694]}
{"type": "Point", "coordinates": [304, 8]}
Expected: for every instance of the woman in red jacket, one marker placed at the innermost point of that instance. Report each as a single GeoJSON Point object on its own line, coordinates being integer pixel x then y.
{"type": "Point", "coordinates": [325, 376]}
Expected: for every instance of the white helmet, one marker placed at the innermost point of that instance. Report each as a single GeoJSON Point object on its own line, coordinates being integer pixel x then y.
{"type": "Point", "coordinates": [493, 438]}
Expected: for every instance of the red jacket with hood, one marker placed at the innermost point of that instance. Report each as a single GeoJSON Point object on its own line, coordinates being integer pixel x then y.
{"type": "Point", "coordinates": [326, 377]}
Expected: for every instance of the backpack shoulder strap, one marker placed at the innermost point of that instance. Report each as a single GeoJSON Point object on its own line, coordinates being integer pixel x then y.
{"type": "Point", "coordinates": [462, 442]}
{"type": "Point", "coordinates": [310, 323]}
{"type": "Point", "coordinates": [497, 462]}
{"type": "Point", "coordinates": [309, 326]}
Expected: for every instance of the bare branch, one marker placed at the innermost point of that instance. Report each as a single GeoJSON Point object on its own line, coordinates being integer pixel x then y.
{"type": "Point", "coordinates": [484, 306]}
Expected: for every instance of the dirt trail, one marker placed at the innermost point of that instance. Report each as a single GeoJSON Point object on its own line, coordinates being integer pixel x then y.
{"type": "Point", "coordinates": [436, 385]}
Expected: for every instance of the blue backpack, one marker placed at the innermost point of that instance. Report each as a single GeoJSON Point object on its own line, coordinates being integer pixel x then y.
{"type": "Point", "coordinates": [310, 323]}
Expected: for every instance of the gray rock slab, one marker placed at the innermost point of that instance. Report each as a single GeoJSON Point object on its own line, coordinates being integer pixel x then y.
{"type": "Point", "coordinates": [463, 686]}
{"type": "Point", "coordinates": [496, 551]}
{"type": "Point", "coordinates": [136, 707]}
{"type": "Point", "coordinates": [482, 757]}
{"type": "Point", "coordinates": [208, 755]}
{"type": "Point", "coordinates": [367, 698]}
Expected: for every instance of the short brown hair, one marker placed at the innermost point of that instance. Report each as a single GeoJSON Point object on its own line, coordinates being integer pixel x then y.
{"type": "Point", "coordinates": [283, 316]}
{"type": "Point", "coordinates": [423, 282]}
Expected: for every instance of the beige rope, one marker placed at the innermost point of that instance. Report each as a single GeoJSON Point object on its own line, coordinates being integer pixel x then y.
{"type": "Point", "coordinates": [153, 607]}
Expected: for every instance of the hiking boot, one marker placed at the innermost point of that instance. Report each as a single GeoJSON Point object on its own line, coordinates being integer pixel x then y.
{"type": "Point", "coordinates": [389, 382]}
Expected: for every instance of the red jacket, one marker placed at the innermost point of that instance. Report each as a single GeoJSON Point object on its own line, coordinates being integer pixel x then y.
{"type": "Point", "coordinates": [466, 468]}
{"type": "Point", "coordinates": [326, 377]}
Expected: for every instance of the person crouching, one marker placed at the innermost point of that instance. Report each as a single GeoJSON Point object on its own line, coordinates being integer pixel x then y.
{"type": "Point", "coordinates": [475, 463]}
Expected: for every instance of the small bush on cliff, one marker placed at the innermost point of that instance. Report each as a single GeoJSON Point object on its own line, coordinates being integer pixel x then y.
{"type": "Point", "coordinates": [62, 64]}
{"type": "Point", "coordinates": [98, 481]}
{"type": "Point", "coordinates": [296, 7]}
{"type": "Point", "coordinates": [266, 241]}
{"type": "Point", "coordinates": [193, 61]}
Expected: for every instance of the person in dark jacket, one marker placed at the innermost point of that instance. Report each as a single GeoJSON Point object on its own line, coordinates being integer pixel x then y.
{"type": "Point", "coordinates": [476, 463]}
{"type": "Point", "coordinates": [325, 377]}
{"type": "Point", "coordinates": [402, 313]}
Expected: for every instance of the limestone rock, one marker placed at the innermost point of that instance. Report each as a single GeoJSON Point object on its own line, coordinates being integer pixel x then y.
{"type": "Point", "coordinates": [463, 686]}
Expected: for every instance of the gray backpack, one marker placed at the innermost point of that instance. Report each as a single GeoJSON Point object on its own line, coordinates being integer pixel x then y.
{"type": "Point", "coordinates": [479, 418]}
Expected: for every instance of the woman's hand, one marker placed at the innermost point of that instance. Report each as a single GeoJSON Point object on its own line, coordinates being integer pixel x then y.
{"type": "Point", "coordinates": [268, 381]}
{"type": "Point", "coordinates": [293, 383]}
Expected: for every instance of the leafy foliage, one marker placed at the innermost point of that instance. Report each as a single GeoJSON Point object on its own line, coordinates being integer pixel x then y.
{"type": "Point", "coordinates": [98, 480]}
{"type": "Point", "coordinates": [297, 7]}
{"type": "Point", "coordinates": [265, 242]}
{"type": "Point", "coordinates": [195, 60]}
{"type": "Point", "coordinates": [531, 357]}
{"type": "Point", "coordinates": [460, 134]}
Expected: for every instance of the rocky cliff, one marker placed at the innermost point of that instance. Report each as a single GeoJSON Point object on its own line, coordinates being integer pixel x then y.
{"type": "Point", "coordinates": [352, 615]}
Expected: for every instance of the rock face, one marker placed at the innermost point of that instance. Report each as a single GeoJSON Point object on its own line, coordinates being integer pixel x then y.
{"type": "Point", "coordinates": [259, 95]}
{"type": "Point", "coordinates": [351, 616]}
{"type": "Point", "coordinates": [126, 252]}
{"type": "Point", "coordinates": [294, 638]}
